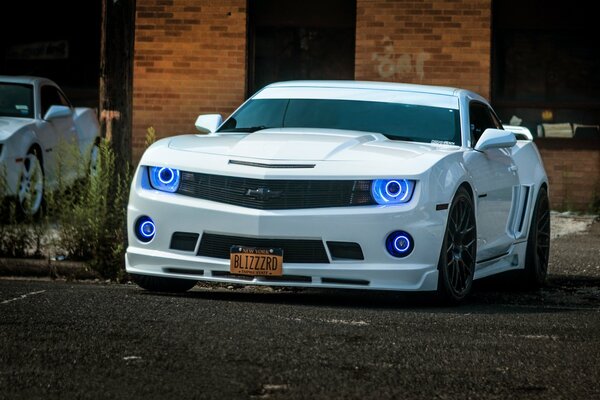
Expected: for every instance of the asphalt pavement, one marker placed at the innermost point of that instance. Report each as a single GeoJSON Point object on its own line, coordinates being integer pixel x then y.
{"type": "Point", "coordinates": [85, 340]}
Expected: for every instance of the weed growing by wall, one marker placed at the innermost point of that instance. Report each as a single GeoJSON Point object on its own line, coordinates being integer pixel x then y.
{"type": "Point", "coordinates": [92, 226]}
{"type": "Point", "coordinates": [83, 219]}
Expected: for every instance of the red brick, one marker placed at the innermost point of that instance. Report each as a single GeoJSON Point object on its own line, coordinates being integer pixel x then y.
{"type": "Point", "coordinates": [190, 58]}
{"type": "Point", "coordinates": [417, 48]}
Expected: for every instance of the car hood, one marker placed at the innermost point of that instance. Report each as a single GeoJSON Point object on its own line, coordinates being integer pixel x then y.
{"type": "Point", "coordinates": [10, 125]}
{"type": "Point", "coordinates": [290, 144]}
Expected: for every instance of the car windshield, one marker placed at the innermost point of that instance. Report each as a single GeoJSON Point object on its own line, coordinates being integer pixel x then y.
{"type": "Point", "coordinates": [16, 100]}
{"type": "Point", "coordinates": [394, 120]}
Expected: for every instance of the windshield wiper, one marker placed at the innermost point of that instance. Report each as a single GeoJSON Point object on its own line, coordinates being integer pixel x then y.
{"type": "Point", "coordinates": [245, 129]}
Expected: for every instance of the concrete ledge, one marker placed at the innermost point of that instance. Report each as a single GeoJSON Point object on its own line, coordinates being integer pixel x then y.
{"type": "Point", "coordinates": [26, 267]}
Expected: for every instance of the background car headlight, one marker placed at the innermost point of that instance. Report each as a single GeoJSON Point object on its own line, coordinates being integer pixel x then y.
{"type": "Point", "coordinates": [164, 179]}
{"type": "Point", "coordinates": [392, 191]}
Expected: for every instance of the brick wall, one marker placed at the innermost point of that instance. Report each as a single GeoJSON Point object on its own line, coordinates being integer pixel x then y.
{"type": "Point", "coordinates": [190, 58]}
{"type": "Point", "coordinates": [573, 172]}
{"type": "Point", "coordinates": [445, 42]}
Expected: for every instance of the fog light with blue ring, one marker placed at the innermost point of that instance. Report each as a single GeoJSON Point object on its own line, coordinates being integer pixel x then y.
{"type": "Point", "coordinates": [399, 244]}
{"type": "Point", "coordinates": [145, 229]}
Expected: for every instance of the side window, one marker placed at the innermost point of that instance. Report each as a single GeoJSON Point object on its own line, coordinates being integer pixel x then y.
{"type": "Point", "coordinates": [480, 119]}
{"type": "Point", "coordinates": [496, 120]}
{"type": "Point", "coordinates": [51, 96]}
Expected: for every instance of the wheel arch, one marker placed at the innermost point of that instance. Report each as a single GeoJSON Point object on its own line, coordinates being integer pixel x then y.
{"type": "Point", "coordinates": [467, 185]}
{"type": "Point", "coordinates": [38, 151]}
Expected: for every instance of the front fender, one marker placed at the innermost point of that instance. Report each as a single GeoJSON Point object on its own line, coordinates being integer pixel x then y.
{"type": "Point", "coordinates": [14, 149]}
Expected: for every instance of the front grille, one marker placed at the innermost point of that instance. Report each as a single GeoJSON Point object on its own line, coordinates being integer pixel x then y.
{"type": "Point", "coordinates": [294, 250]}
{"type": "Point", "coordinates": [280, 194]}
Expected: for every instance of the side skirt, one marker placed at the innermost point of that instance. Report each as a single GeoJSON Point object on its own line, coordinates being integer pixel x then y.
{"type": "Point", "coordinates": [512, 260]}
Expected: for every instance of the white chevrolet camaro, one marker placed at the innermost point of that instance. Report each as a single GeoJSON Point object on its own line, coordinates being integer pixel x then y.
{"type": "Point", "coordinates": [333, 184]}
{"type": "Point", "coordinates": [36, 119]}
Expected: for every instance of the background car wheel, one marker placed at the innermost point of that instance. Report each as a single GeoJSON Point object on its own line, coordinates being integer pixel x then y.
{"type": "Point", "coordinates": [94, 158]}
{"type": "Point", "coordinates": [457, 258]}
{"type": "Point", "coordinates": [156, 284]}
{"type": "Point", "coordinates": [538, 243]}
{"type": "Point", "coordinates": [30, 192]}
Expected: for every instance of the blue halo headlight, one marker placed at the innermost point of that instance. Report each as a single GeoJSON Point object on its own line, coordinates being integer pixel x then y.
{"type": "Point", "coordinates": [392, 191]}
{"type": "Point", "coordinates": [164, 179]}
{"type": "Point", "coordinates": [145, 229]}
{"type": "Point", "coordinates": [399, 244]}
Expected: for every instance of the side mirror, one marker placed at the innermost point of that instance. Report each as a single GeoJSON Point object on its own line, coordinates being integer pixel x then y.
{"type": "Point", "coordinates": [208, 123]}
{"type": "Point", "coordinates": [57, 112]}
{"type": "Point", "coordinates": [495, 139]}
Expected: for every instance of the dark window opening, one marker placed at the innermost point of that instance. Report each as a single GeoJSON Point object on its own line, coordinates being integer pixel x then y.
{"type": "Point", "coordinates": [546, 58]}
{"type": "Point", "coordinates": [53, 44]}
{"type": "Point", "coordinates": [291, 40]}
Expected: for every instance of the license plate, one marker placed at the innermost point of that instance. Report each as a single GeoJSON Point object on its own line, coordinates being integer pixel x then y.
{"type": "Point", "coordinates": [255, 261]}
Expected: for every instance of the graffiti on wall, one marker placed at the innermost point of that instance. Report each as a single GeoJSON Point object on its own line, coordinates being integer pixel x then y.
{"type": "Point", "coordinates": [404, 65]}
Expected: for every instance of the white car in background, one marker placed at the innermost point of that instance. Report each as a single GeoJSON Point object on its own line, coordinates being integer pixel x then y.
{"type": "Point", "coordinates": [354, 185]}
{"type": "Point", "coordinates": [35, 119]}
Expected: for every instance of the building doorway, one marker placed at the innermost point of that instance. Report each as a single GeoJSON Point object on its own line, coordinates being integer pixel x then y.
{"type": "Point", "coordinates": [289, 40]}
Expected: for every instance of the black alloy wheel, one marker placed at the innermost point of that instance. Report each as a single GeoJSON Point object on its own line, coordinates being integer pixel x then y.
{"type": "Point", "coordinates": [459, 248]}
{"type": "Point", "coordinates": [538, 243]}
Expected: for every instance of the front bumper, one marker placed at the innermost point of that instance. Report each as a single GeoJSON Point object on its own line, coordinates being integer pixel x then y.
{"type": "Point", "coordinates": [368, 226]}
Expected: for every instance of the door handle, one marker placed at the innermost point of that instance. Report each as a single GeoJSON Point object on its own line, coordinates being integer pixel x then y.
{"type": "Point", "coordinates": [513, 168]}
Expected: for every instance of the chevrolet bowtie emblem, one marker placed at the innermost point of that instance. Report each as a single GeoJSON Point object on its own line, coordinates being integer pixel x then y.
{"type": "Point", "coordinates": [263, 193]}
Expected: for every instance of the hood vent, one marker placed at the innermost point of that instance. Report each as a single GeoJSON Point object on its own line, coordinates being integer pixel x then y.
{"type": "Point", "coordinates": [262, 165]}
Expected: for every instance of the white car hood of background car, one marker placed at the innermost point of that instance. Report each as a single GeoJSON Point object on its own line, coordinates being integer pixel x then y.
{"type": "Point", "coordinates": [295, 144]}
{"type": "Point", "coordinates": [9, 125]}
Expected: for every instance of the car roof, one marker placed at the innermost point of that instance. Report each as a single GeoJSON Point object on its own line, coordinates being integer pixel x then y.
{"type": "Point", "coordinates": [404, 87]}
{"type": "Point", "coordinates": [437, 96]}
{"type": "Point", "coordinates": [381, 90]}
{"type": "Point", "coordinates": [23, 79]}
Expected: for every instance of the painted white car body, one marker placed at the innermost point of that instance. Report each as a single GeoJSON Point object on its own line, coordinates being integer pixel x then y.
{"type": "Point", "coordinates": [25, 125]}
{"type": "Point", "coordinates": [504, 184]}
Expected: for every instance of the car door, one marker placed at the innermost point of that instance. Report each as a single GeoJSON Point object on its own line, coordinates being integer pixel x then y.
{"type": "Point", "coordinates": [58, 137]}
{"type": "Point", "coordinates": [494, 175]}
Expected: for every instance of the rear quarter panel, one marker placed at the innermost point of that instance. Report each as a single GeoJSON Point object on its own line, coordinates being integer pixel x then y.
{"type": "Point", "coordinates": [86, 123]}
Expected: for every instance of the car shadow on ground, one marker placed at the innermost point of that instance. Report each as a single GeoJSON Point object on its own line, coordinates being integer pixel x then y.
{"type": "Point", "coordinates": [492, 295]}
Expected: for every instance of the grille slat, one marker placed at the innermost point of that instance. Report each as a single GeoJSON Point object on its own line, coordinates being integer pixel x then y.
{"type": "Point", "coordinates": [275, 194]}
{"type": "Point", "coordinates": [294, 250]}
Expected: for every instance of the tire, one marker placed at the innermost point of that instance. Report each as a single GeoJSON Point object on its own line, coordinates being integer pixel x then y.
{"type": "Point", "coordinates": [538, 244]}
{"type": "Point", "coordinates": [94, 158]}
{"type": "Point", "coordinates": [456, 265]}
{"type": "Point", "coordinates": [30, 191]}
{"type": "Point", "coordinates": [168, 285]}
